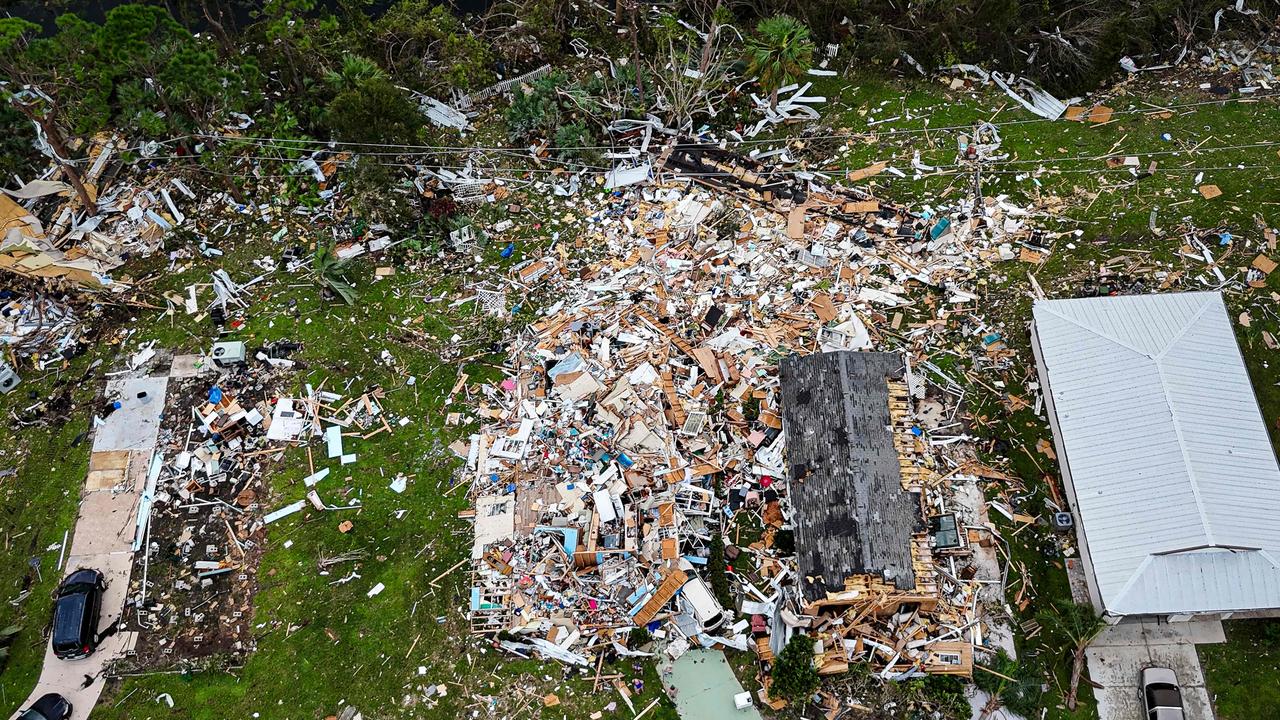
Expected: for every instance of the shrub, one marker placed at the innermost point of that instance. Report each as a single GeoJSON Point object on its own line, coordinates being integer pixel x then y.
{"type": "Point", "coordinates": [639, 638]}
{"type": "Point", "coordinates": [374, 111]}
{"type": "Point", "coordinates": [575, 140]}
{"type": "Point", "coordinates": [536, 111]}
{"type": "Point", "coordinates": [794, 675]}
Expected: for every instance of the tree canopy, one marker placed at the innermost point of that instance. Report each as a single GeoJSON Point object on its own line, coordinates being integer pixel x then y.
{"type": "Point", "coordinates": [139, 70]}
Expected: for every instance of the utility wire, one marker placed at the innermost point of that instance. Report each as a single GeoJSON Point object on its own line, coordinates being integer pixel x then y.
{"type": "Point", "coordinates": [305, 144]}
{"type": "Point", "coordinates": [915, 175]}
{"type": "Point", "coordinates": [574, 166]}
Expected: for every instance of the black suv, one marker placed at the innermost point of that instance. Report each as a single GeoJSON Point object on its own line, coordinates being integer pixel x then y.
{"type": "Point", "coordinates": [75, 614]}
{"type": "Point", "coordinates": [49, 707]}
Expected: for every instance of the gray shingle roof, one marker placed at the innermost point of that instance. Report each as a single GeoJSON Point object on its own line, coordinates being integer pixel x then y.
{"type": "Point", "coordinates": [851, 514]}
{"type": "Point", "coordinates": [1177, 486]}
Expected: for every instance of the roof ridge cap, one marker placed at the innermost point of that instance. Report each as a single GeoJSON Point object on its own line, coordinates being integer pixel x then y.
{"type": "Point", "coordinates": [1099, 333]}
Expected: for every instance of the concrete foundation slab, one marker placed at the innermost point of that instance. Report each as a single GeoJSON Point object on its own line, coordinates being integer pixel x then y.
{"type": "Point", "coordinates": [136, 424]}
{"type": "Point", "coordinates": [1119, 654]}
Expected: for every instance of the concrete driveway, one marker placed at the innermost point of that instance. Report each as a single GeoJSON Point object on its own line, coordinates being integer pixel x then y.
{"type": "Point", "coordinates": [104, 532]}
{"type": "Point", "coordinates": [1117, 657]}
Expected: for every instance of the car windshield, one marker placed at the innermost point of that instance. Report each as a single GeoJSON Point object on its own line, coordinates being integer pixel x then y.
{"type": "Point", "coordinates": [67, 619]}
{"type": "Point", "coordinates": [32, 715]}
{"type": "Point", "coordinates": [75, 588]}
{"type": "Point", "coordinates": [1163, 696]}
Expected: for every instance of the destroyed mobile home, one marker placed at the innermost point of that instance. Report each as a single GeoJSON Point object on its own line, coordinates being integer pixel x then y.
{"type": "Point", "coordinates": [206, 503]}
{"type": "Point", "coordinates": [644, 435]}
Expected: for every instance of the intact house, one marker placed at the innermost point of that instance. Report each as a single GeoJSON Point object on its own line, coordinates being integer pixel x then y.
{"type": "Point", "coordinates": [863, 547]}
{"type": "Point", "coordinates": [1164, 455]}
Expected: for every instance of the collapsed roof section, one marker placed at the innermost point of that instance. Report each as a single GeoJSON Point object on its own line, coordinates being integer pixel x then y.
{"type": "Point", "coordinates": [852, 514]}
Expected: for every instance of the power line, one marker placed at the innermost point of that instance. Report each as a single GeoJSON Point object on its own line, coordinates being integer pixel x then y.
{"type": "Point", "coordinates": [922, 175]}
{"type": "Point", "coordinates": [301, 144]}
{"type": "Point", "coordinates": [575, 166]}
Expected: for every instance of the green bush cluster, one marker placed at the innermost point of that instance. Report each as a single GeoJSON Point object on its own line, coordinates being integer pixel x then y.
{"type": "Point", "coordinates": [540, 112]}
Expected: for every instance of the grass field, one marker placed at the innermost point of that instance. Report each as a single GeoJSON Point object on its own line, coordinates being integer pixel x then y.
{"type": "Point", "coordinates": [413, 635]}
{"type": "Point", "coordinates": [1241, 673]}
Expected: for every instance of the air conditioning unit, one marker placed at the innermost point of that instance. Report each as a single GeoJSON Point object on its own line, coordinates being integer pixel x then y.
{"type": "Point", "coordinates": [8, 378]}
{"type": "Point", "coordinates": [1063, 522]}
{"type": "Point", "coordinates": [228, 354]}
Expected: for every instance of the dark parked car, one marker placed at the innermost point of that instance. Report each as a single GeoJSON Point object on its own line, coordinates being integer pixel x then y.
{"type": "Point", "coordinates": [75, 614]}
{"type": "Point", "coordinates": [50, 707]}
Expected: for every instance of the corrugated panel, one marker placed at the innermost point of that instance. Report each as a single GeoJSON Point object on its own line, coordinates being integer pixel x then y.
{"type": "Point", "coordinates": [1183, 582]}
{"type": "Point", "coordinates": [1167, 450]}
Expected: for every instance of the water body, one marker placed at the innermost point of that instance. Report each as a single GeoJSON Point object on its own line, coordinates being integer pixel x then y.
{"type": "Point", "coordinates": [704, 687]}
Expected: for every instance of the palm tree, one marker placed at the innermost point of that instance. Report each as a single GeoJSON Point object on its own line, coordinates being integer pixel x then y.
{"type": "Point", "coordinates": [328, 268]}
{"type": "Point", "coordinates": [778, 53]}
{"type": "Point", "coordinates": [356, 70]}
{"type": "Point", "coordinates": [1078, 624]}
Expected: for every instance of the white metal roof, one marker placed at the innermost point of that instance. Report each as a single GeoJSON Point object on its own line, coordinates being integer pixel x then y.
{"type": "Point", "coordinates": [1177, 487]}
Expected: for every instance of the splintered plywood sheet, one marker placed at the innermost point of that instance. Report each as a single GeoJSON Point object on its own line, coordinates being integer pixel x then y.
{"type": "Point", "coordinates": [1100, 114]}
{"type": "Point", "coordinates": [866, 172]}
{"type": "Point", "coordinates": [1210, 192]}
{"type": "Point", "coordinates": [863, 206]}
{"type": "Point", "coordinates": [670, 549]}
{"type": "Point", "coordinates": [823, 307]}
{"type": "Point", "coordinates": [13, 215]}
{"type": "Point", "coordinates": [795, 223]}
{"type": "Point", "coordinates": [706, 358]}
{"type": "Point", "coordinates": [106, 469]}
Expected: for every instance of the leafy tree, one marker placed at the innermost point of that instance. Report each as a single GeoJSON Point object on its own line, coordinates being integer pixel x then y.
{"type": "Point", "coordinates": [426, 46]}
{"type": "Point", "coordinates": [192, 80]}
{"type": "Point", "coordinates": [1079, 625]}
{"type": "Point", "coordinates": [37, 104]}
{"type": "Point", "coordinates": [295, 38]}
{"type": "Point", "coordinates": [794, 675]}
{"type": "Point", "coordinates": [139, 70]}
{"type": "Point", "coordinates": [15, 142]}
{"type": "Point", "coordinates": [69, 68]}
{"type": "Point", "coordinates": [374, 111]}
{"type": "Point", "coordinates": [144, 48]}
{"type": "Point", "coordinates": [778, 53]}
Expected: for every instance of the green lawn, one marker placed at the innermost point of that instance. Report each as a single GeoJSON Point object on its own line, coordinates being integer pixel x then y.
{"type": "Point", "coordinates": [39, 506]}
{"type": "Point", "coordinates": [391, 647]}
{"type": "Point", "coordinates": [1242, 674]}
